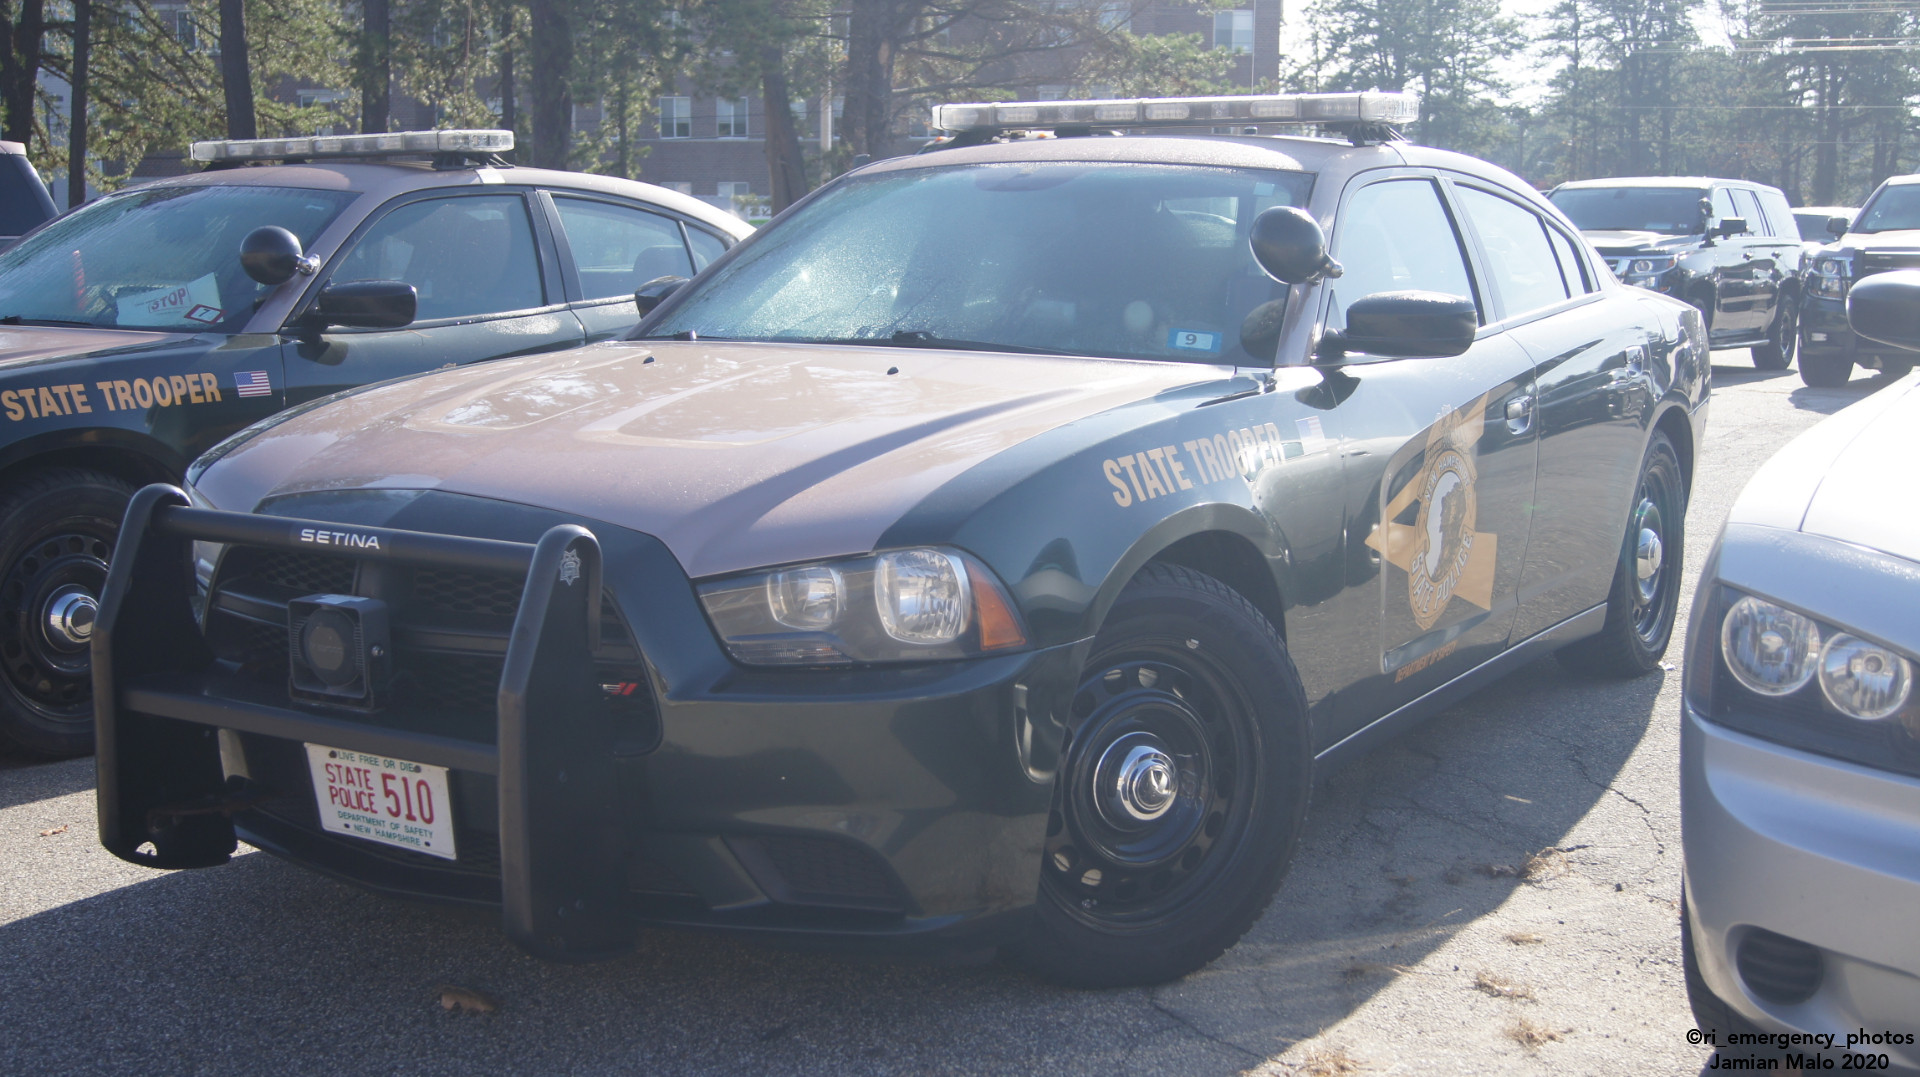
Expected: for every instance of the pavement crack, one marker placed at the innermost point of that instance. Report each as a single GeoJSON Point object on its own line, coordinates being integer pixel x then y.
{"type": "Point", "coordinates": [1183, 1021]}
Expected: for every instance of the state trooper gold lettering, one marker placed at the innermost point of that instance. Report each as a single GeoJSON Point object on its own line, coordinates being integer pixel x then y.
{"type": "Point", "coordinates": [1164, 470]}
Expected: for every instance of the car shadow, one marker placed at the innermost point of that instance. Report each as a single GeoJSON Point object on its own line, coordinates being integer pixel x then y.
{"type": "Point", "coordinates": [1865, 383]}
{"type": "Point", "coordinates": [261, 965]}
{"type": "Point", "coordinates": [24, 783]}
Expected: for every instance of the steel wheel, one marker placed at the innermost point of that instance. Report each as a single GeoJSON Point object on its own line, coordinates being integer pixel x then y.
{"type": "Point", "coordinates": [1181, 789]}
{"type": "Point", "coordinates": [56, 534]}
{"type": "Point", "coordinates": [1783, 338]}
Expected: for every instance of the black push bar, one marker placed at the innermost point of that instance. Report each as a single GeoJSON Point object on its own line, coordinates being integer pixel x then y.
{"type": "Point", "coordinates": [160, 700]}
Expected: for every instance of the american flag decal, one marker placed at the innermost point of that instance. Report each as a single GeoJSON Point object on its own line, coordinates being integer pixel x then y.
{"type": "Point", "coordinates": [252, 383]}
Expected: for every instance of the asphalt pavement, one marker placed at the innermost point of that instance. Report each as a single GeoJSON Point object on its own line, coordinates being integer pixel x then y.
{"type": "Point", "coordinates": [1496, 893]}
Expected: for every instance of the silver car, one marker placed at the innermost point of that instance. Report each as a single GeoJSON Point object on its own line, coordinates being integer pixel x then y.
{"type": "Point", "coordinates": [1800, 744]}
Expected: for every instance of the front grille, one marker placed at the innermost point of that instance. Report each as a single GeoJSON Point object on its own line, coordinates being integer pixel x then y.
{"type": "Point", "coordinates": [1869, 262]}
{"type": "Point", "coordinates": [439, 681]}
{"type": "Point", "coordinates": [804, 870]}
{"type": "Point", "coordinates": [303, 573]}
{"type": "Point", "coordinates": [486, 594]}
{"type": "Point", "coordinates": [1780, 970]}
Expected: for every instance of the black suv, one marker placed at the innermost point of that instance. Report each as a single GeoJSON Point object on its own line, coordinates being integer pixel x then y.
{"type": "Point", "coordinates": [24, 201]}
{"type": "Point", "coordinates": [1728, 247]}
{"type": "Point", "coordinates": [1884, 235]}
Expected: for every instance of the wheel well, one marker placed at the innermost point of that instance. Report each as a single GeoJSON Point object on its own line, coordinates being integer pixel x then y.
{"type": "Point", "coordinates": [1234, 561]}
{"type": "Point", "coordinates": [123, 463]}
{"type": "Point", "coordinates": [1674, 424]}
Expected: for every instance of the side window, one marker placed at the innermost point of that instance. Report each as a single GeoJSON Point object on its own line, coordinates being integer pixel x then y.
{"type": "Point", "coordinates": [1779, 215]}
{"type": "Point", "coordinates": [1573, 268]}
{"type": "Point", "coordinates": [706, 246]}
{"type": "Point", "coordinates": [1519, 258]}
{"type": "Point", "coordinates": [618, 248]}
{"type": "Point", "coordinates": [1394, 236]}
{"type": "Point", "coordinates": [1745, 206]}
{"type": "Point", "coordinates": [1723, 204]}
{"type": "Point", "coordinates": [464, 256]}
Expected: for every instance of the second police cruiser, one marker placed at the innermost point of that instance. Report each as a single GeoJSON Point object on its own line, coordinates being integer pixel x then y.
{"type": "Point", "coordinates": [145, 327]}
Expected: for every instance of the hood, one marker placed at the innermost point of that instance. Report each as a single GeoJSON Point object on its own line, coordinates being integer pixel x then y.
{"type": "Point", "coordinates": [1850, 478]}
{"type": "Point", "coordinates": [1903, 238]}
{"type": "Point", "coordinates": [735, 455]}
{"type": "Point", "coordinates": [25, 344]}
{"type": "Point", "coordinates": [1635, 242]}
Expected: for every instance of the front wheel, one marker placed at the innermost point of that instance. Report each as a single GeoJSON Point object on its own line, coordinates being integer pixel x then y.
{"type": "Point", "coordinates": [57, 530]}
{"type": "Point", "coordinates": [1181, 791]}
{"type": "Point", "coordinates": [1783, 338]}
{"type": "Point", "coordinates": [1825, 371]}
{"type": "Point", "coordinates": [1646, 580]}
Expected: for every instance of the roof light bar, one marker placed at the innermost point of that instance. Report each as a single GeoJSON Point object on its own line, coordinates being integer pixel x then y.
{"type": "Point", "coordinates": [376, 145]}
{"type": "Point", "coordinates": [1365, 107]}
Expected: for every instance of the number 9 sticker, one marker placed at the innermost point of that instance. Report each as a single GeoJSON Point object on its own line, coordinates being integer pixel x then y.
{"type": "Point", "coordinates": [1193, 340]}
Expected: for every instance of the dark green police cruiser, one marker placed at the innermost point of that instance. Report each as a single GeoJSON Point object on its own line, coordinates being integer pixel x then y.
{"type": "Point", "coordinates": [140, 330]}
{"type": "Point", "coordinates": [990, 552]}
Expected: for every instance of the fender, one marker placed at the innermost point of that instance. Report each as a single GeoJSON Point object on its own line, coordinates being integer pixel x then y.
{"type": "Point", "coordinates": [133, 453]}
{"type": "Point", "coordinates": [1212, 518]}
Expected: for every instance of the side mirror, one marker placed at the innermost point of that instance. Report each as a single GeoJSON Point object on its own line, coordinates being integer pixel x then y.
{"type": "Point", "coordinates": [1885, 307]}
{"type": "Point", "coordinates": [655, 292]}
{"type": "Point", "coordinates": [1838, 225]}
{"type": "Point", "coordinates": [270, 255]}
{"type": "Point", "coordinates": [367, 304]}
{"type": "Point", "coordinates": [1290, 246]}
{"type": "Point", "coordinates": [1731, 226]}
{"type": "Point", "coordinates": [1406, 325]}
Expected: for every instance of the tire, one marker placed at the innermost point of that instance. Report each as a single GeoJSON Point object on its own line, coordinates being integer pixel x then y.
{"type": "Point", "coordinates": [1783, 337]}
{"type": "Point", "coordinates": [1181, 792]}
{"type": "Point", "coordinates": [1645, 595]}
{"type": "Point", "coordinates": [1825, 371]}
{"type": "Point", "coordinates": [57, 529]}
{"type": "Point", "coordinates": [1710, 1011]}
{"type": "Point", "coordinates": [1892, 371]}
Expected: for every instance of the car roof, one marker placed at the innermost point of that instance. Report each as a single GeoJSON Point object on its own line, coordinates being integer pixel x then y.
{"type": "Point", "coordinates": [1830, 211]}
{"type": "Point", "coordinates": [1901, 181]}
{"type": "Point", "coordinates": [388, 179]}
{"type": "Point", "coordinates": [16, 148]}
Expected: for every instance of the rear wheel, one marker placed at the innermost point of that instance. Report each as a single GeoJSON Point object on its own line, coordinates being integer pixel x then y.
{"type": "Point", "coordinates": [1181, 792]}
{"type": "Point", "coordinates": [1646, 579]}
{"type": "Point", "coordinates": [57, 530]}
{"type": "Point", "coordinates": [1825, 371]}
{"type": "Point", "coordinates": [1783, 337]}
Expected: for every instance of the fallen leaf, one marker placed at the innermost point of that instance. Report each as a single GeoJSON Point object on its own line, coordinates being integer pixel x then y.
{"type": "Point", "coordinates": [465, 998]}
{"type": "Point", "coordinates": [61, 829]}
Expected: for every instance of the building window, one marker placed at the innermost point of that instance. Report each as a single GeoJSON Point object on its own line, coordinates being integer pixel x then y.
{"type": "Point", "coordinates": [682, 186]}
{"type": "Point", "coordinates": [733, 117]}
{"type": "Point", "coordinates": [1233, 30]}
{"type": "Point", "coordinates": [676, 117]}
{"type": "Point", "coordinates": [1055, 91]}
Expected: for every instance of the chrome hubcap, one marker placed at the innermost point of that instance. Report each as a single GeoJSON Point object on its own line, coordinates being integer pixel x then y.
{"type": "Point", "coordinates": [70, 617]}
{"type": "Point", "coordinates": [1649, 551]}
{"type": "Point", "coordinates": [1138, 781]}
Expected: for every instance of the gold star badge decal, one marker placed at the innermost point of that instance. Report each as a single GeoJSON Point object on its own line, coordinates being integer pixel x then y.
{"type": "Point", "coordinates": [1441, 553]}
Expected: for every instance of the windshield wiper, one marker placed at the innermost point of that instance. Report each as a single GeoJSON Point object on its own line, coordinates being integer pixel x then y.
{"type": "Point", "coordinates": [921, 338]}
{"type": "Point", "coordinates": [18, 319]}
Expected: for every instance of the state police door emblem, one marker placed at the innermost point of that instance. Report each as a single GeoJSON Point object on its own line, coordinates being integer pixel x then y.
{"type": "Point", "coordinates": [1441, 551]}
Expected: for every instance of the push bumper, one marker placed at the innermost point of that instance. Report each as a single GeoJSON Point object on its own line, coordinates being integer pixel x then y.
{"type": "Point", "coordinates": [1824, 332]}
{"type": "Point", "coordinates": [1801, 875]}
{"type": "Point", "coordinates": [895, 806]}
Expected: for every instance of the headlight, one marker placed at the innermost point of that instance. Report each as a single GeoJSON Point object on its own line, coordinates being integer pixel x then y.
{"type": "Point", "coordinates": [1650, 265]}
{"type": "Point", "coordinates": [1831, 267]}
{"type": "Point", "coordinates": [1769, 649]}
{"type": "Point", "coordinates": [916, 605]}
{"type": "Point", "coordinates": [1863, 680]}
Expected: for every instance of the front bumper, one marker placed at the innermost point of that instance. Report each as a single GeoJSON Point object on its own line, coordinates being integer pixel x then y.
{"type": "Point", "coordinates": [895, 805]}
{"type": "Point", "coordinates": [1822, 852]}
{"type": "Point", "coordinates": [1824, 332]}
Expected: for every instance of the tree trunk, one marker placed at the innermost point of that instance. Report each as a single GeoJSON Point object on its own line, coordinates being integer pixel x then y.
{"type": "Point", "coordinates": [509, 115]}
{"type": "Point", "coordinates": [785, 163]}
{"type": "Point", "coordinates": [552, 94]}
{"type": "Point", "coordinates": [24, 71]}
{"type": "Point", "coordinates": [77, 112]}
{"type": "Point", "coordinates": [236, 73]}
{"type": "Point", "coordinates": [1826, 147]}
{"type": "Point", "coordinates": [376, 66]}
{"type": "Point", "coordinates": [870, 45]}
{"type": "Point", "coordinates": [623, 150]}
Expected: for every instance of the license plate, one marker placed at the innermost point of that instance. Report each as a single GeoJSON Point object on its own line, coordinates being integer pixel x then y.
{"type": "Point", "coordinates": [390, 801]}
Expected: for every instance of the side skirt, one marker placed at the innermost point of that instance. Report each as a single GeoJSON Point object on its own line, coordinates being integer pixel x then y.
{"type": "Point", "coordinates": [1365, 739]}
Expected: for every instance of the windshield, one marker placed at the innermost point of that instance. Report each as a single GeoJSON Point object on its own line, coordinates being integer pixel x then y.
{"type": "Point", "coordinates": [155, 258]}
{"type": "Point", "coordinates": [1893, 208]}
{"type": "Point", "coordinates": [1673, 211]}
{"type": "Point", "coordinates": [1117, 260]}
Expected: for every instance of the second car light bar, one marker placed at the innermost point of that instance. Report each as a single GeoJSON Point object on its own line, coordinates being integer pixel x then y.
{"type": "Point", "coordinates": [1327, 108]}
{"type": "Point", "coordinates": [375, 145]}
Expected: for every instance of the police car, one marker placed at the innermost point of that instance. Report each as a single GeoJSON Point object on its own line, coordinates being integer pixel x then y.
{"type": "Point", "coordinates": [140, 330]}
{"type": "Point", "coordinates": [989, 552]}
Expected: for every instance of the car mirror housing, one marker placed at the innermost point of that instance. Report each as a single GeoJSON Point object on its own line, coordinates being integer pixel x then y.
{"type": "Point", "coordinates": [1290, 246]}
{"type": "Point", "coordinates": [1731, 226]}
{"type": "Point", "coordinates": [270, 255]}
{"type": "Point", "coordinates": [1406, 325]}
{"type": "Point", "coordinates": [1838, 225]}
{"type": "Point", "coordinates": [655, 292]}
{"type": "Point", "coordinates": [1885, 307]}
{"type": "Point", "coordinates": [367, 304]}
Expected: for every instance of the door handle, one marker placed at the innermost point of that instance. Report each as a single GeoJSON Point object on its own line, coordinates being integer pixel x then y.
{"type": "Point", "coordinates": [1519, 414]}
